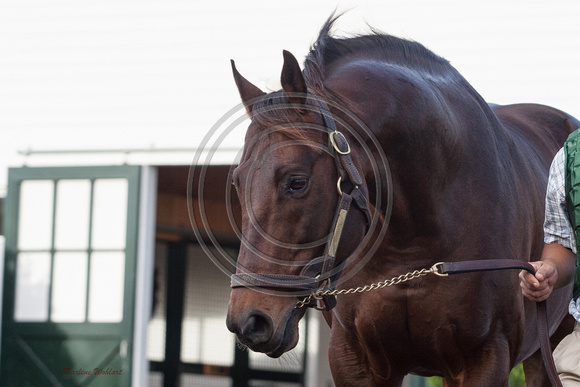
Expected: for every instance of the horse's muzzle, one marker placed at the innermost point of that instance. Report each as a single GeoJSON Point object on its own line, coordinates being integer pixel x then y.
{"type": "Point", "coordinates": [254, 331]}
{"type": "Point", "coordinates": [262, 333]}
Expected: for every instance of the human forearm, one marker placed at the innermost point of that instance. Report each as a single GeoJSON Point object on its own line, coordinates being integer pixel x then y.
{"type": "Point", "coordinates": [563, 260]}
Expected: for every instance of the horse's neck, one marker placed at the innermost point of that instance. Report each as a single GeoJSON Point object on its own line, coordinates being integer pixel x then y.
{"type": "Point", "coordinates": [421, 166]}
{"type": "Point", "coordinates": [434, 137]}
{"type": "Point", "coordinates": [431, 164]}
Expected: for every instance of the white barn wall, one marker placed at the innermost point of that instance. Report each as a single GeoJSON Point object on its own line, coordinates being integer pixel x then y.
{"type": "Point", "coordinates": [122, 73]}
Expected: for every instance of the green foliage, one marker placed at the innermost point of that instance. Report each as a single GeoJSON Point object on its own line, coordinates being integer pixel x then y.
{"type": "Point", "coordinates": [517, 378]}
{"type": "Point", "coordinates": [434, 382]}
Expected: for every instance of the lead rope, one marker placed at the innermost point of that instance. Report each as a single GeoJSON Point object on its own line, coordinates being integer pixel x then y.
{"type": "Point", "coordinates": [319, 294]}
{"type": "Point", "coordinates": [443, 269]}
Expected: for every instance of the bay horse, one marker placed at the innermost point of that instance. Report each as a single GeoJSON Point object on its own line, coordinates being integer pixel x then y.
{"type": "Point", "coordinates": [378, 159]}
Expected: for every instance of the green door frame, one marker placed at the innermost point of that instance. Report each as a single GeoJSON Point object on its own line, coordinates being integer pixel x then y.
{"type": "Point", "coordinates": [41, 351]}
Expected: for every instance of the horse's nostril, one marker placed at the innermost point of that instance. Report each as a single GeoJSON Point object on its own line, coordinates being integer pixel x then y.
{"type": "Point", "coordinates": [257, 329]}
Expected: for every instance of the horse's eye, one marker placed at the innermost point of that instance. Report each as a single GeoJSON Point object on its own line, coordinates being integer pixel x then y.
{"type": "Point", "coordinates": [297, 184]}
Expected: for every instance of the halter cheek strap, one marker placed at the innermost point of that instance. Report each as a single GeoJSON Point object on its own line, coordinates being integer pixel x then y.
{"type": "Point", "coordinates": [347, 171]}
{"type": "Point", "coordinates": [321, 273]}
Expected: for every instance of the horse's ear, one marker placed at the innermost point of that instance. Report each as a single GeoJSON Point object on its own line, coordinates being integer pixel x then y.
{"type": "Point", "coordinates": [247, 90]}
{"type": "Point", "coordinates": [292, 79]}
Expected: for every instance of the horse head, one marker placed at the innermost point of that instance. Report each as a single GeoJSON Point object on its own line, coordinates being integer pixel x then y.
{"type": "Point", "coordinates": [291, 210]}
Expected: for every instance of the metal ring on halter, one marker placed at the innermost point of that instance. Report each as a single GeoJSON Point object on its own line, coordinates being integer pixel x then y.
{"type": "Point", "coordinates": [338, 185]}
{"type": "Point", "coordinates": [335, 145]}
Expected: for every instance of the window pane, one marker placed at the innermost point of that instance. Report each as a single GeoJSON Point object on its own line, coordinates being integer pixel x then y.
{"type": "Point", "coordinates": [217, 342]}
{"type": "Point", "coordinates": [35, 214]}
{"type": "Point", "coordinates": [191, 340]}
{"type": "Point", "coordinates": [72, 214]}
{"type": "Point", "coordinates": [69, 287]}
{"type": "Point", "coordinates": [268, 383]}
{"type": "Point", "coordinates": [193, 380]}
{"type": "Point", "coordinates": [109, 214]}
{"type": "Point", "coordinates": [32, 282]}
{"type": "Point", "coordinates": [106, 287]}
{"type": "Point", "coordinates": [156, 339]}
{"type": "Point", "coordinates": [205, 338]}
{"type": "Point", "coordinates": [155, 379]}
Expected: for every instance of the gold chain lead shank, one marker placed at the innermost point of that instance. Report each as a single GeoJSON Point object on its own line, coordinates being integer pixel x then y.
{"type": "Point", "coordinates": [435, 269]}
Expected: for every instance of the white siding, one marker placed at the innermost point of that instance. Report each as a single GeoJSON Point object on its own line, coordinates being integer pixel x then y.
{"type": "Point", "coordinates": [78, 74]}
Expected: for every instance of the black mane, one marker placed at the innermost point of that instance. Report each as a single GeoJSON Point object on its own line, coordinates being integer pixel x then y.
{"type": "Point", "coordinates": [328, 50]}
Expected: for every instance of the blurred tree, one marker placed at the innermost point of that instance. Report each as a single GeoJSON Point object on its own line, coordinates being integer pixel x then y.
{"type": "Point", "coordinates": [517, 378]}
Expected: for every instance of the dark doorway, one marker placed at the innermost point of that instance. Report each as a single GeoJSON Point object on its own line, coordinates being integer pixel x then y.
{"type": "Point", "coordinates": [189, 344]}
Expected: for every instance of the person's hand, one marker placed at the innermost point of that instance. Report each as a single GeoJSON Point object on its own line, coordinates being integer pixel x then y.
{"type": "Point", "coordinates": [539, 287]}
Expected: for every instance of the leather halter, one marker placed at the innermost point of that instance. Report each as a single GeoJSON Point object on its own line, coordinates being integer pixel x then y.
{"type": "Point", "coordinates": [322, 272]}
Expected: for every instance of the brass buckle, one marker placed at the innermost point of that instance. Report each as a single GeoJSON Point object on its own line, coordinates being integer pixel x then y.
{"type": "Point", "coordinates": [335, 145]}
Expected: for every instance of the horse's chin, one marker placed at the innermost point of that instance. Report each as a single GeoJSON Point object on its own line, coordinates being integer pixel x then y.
{"type": "Point", "coordinates": [289, 338]}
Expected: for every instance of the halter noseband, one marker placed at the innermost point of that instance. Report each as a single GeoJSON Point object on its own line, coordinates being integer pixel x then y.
{"type": "Point", "coordinates": [321, 273]}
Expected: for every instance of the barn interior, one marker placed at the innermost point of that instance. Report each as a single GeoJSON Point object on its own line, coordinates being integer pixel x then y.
{"type": "Point", "coordinates": [188, 342]}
